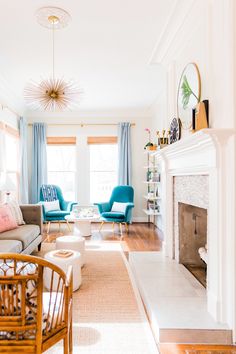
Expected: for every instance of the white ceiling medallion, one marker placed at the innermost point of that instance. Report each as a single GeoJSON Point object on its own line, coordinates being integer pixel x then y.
{"type": "Point", "coordinates": [52, 94]}
{"type": "Point", "coordinates": [45, 13]}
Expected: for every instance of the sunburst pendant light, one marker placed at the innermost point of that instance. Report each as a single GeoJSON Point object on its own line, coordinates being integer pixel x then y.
{"type": "Point", "coordinates": [52, 94]}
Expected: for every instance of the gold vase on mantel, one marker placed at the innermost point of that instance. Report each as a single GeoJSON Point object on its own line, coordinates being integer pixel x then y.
{"type": "Point", "coordinates": [163, 140]}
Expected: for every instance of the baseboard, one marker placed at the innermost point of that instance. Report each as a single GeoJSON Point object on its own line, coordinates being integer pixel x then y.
{"type": "Point", "coordinates": [140, 219]}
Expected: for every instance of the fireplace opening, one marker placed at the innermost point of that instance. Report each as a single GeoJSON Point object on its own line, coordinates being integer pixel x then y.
{"type": "Point", "coordinates": [193, 240]}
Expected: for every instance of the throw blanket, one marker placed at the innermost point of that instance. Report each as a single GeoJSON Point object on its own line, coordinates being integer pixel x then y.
{"type": "Point", "coordinates": [49, 192]}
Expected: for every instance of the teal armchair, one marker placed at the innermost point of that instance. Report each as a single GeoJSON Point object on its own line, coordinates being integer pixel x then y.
{"type": "Point", "coordinates": [52, 192]}
{"type": "Point", "coordinates": [120, 194]}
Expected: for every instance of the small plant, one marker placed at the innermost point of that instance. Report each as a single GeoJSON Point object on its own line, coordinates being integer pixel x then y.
{"type": "Point", "coordinates": [186, 92]}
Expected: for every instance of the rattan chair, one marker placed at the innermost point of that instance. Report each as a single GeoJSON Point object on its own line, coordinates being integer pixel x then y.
{"type": "Point", "coordinates": [32, 319]}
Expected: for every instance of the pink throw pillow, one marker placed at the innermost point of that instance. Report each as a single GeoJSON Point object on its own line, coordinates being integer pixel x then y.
{"type": "Point", "coordinates": [7, 220]}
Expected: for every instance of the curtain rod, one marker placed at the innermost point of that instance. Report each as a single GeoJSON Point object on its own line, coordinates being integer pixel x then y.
{"type": "Point", "coordinates": [84, 124]}
{"type": "Point", "coordinates": [10, 109]}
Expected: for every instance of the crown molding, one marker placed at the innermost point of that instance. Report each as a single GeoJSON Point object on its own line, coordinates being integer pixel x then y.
{"type": "Point", "coordinates": [168, 38]}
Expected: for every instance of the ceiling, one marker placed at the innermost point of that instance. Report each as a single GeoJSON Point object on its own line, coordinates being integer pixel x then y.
{"type": "Point", "coordinates": [106, 48]}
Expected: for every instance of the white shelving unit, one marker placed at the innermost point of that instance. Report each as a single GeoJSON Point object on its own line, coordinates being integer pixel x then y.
{"type": "Point", "coordinates": [153, 183]}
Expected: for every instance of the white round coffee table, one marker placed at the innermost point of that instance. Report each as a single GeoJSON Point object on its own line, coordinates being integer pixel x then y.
{"type": "Point", "coordinates": [75, 243]}
{"type": "Point", "coordinates": [82, 224]}
{"type": "Point", "coordinates": [63, 263]}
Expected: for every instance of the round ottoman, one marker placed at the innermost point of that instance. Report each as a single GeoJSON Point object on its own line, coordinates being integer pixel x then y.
{"type": "Point", "coordinates": [75, 243]}
{"type": "Point", "coordinates": [63, 262]}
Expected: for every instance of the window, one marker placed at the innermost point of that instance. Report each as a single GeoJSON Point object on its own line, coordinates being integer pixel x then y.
{"type": "Point", "coordinates": [12, 157]}
{"type": "Point", "coordinates": [103, 171]}
{"type": "Point", "coordinates": [61, 159]}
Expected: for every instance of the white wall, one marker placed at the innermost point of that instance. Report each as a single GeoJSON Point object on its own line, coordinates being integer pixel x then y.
{"type": "Point", "coordinates": [203, 35]}
{"type": "Point", "coordinates": [204, 32]}
{"type": "Point", "coordinates": [138, 136]}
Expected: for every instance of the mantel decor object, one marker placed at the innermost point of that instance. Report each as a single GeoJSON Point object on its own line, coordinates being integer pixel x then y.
{"type": "Point", "coordinates": [201, 116]}
{"type": "Point", "coordinates": [189, 94]}
{"type": "Point", "coordinates": [175, 130]}
{"type": "Point", "coordinates": [149, 146]}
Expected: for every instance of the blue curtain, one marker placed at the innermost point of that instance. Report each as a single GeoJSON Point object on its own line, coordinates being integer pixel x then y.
{"type": "Point", "coordinates": [39, 160]}
{"type": "Point", "coordinates": [24, 194]}
{"type": "Point", "coordinates": [124, 154]}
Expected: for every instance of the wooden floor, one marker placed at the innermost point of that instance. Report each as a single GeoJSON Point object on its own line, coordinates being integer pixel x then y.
{"type": "Point", "coordinates": [141, 237]}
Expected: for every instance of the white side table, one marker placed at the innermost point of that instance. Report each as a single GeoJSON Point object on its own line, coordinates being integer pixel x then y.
{"type": "Point", "coordinates": [75, 243]}
{"type": "Point", "coordinates": [82, 224]}
{"type": "Point", "coordinates": [64, 263]}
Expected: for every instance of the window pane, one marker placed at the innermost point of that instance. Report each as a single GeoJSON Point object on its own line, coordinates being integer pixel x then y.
{"type": "Point", "coordinates": [12, 146]}
{"type": "Point", "coordinates": [66, 181]}
{"type": "Point", "coordinates": [61, 157]}
{"type": "Point", "coordinates": [14, 179]}
{"type": "Point", "coordinates": [103, 171]}
{"type": "Point", "coordinates": [103, 157]}
{"type": "Point", "coordinates": [61, 168]}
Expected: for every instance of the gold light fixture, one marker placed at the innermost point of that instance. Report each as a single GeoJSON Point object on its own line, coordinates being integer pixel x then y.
{"type": "Point", "coordinates": [52, 94]}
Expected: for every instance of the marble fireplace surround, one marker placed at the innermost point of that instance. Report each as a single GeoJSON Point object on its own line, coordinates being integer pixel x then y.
{"type": "Point", "coordinates": [191, 190]}
{"type": "Point", "coordinates": [206, 153]}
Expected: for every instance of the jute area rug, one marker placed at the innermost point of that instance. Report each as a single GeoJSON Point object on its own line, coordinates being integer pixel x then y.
{"type": "Point", "coordinates": [108, 316]}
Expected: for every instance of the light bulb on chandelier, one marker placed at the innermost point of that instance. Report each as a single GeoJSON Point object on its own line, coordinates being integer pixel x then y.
{"type": "Point", "coordinates": [52, 94]}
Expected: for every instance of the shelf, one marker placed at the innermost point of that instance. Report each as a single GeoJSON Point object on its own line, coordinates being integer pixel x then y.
{"type": "Point", "coordinates": [151, 182]}
{"type": "Point", "coordinates": [151, 212]}
{"type": "Point", "coordinates": [151, 199]}
{"type": "Point", "coordinates": [150, 152]}
{"type": "Point", "coordinates": [151, 167]}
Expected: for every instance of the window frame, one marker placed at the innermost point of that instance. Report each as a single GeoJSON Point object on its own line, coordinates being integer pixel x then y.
{"type": "Point", "coordinates": [101, 140]}
{"type": "Point", "coordinates": [10, 131]}
{"type": "Point", "coordinates": [64, 141]}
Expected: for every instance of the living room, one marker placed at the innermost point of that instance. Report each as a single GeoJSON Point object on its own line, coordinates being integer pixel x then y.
{"type": "Point", "coordinates": [135, 95]}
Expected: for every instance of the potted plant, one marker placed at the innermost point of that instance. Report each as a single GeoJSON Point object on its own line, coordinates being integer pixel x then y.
{"type": "Point", "coordinates": [149, 145]}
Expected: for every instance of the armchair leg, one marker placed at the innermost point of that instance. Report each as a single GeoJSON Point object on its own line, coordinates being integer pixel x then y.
{"type": "Point", "coordinates": [120, 228]}
{"type": "Point", "coordinates": [127, 227]}
{"type": "Point", "coordinates": [66, 344]}
{"type": "Point", "coordinates": [113, 226]}
{"type": "Point", "coordinates": [100, 228]}
{"type": "Point", "coordinates": [68, 225]}
{"type": "Point", "coordinates": [48, 228]}
{"type": "Point", "coordinates": [70, 339]}
{"type": "Point", "coordinates": [59, 224]}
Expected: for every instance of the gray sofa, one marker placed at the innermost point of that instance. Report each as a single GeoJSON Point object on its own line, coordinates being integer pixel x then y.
{"type": "Point", "coordinates": [26, 238]}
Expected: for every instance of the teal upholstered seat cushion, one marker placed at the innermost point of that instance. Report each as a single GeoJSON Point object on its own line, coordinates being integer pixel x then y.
{"type": "Point", "coordinates": [56, 215]}
{"type": "Point", "coordinates": [121, 196]}
{"type": "Point", "coordinates": [113, 214]}
{"type": "Point", "coordinates": [25, 234]}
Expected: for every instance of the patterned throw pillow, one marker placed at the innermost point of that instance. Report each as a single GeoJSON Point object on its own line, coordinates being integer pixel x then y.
{"type": "Point", "coordinates": [16, 212]}
{"type": "Point", "coordinates": [7, 220]}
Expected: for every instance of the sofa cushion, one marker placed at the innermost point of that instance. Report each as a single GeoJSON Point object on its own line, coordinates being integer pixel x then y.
{"type": "Point", "coordinates": [7, 220]}
{"type": "Point", "coordinates": [10, 246]}
{"type": "Point", "coordinates": [113, 215]}
{"type": "Point", "coordinates": [16, 211]}
{"type": "Point", "coordinates": [24, 233]}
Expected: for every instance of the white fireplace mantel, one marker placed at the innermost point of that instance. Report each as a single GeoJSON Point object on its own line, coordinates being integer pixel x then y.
{"type": "Point", "coordinates": [207, 152]}
{"type": "Point", "coordinates": [200, 150]}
